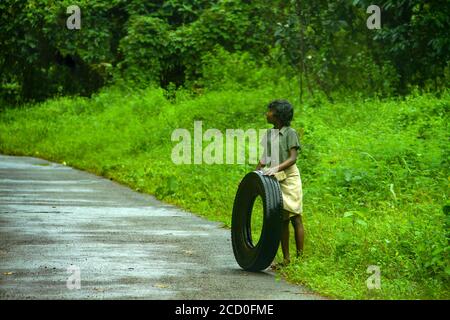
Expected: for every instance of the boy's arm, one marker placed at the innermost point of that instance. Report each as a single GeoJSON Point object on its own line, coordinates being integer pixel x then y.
{"type": "Point", "coordinates": [286, 164]}
{"type": "Point", "coordinates": [290, 161]}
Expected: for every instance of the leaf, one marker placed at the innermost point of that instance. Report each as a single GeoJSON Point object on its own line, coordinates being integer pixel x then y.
{"type": "Point", "coordinates": [348, 214]}
{"type": "Point", "coordinates": [391, 189]}
{"type": "Point", "coordinates": [361, 222]}
{"type": "Point", "coordinates": [360, 214]}
{"type": "Point", "coordinates": [347, 176]}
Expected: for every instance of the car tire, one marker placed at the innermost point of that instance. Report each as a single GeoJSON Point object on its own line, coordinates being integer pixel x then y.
{"type": "Point", "coordinates": [249, 256]}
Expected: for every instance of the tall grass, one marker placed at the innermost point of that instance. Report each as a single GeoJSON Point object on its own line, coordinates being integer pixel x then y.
{"type": "Point", "coordinates": [375, 173]}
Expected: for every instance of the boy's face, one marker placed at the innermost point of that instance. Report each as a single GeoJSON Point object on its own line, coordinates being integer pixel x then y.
{"type": "Point", "coordinates": [270, 116]}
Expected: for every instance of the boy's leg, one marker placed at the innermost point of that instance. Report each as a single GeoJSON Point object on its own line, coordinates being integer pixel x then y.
{"type": "Point", "coordinates": [299, 233]}
{"type": "Point", "coordinates": [285, 241]}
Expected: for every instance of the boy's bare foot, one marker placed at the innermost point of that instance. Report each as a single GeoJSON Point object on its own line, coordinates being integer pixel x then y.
{"type": "Point", "coordinates": [280, 265]}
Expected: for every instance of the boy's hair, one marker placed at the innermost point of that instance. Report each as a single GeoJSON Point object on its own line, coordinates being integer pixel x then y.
{"type": "Point", "coordinates": [283, 111]}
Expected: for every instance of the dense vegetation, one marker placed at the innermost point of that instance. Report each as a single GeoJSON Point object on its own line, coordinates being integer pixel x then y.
{"type": "Point", "coordinates": [375, 174]}
{"type": "Point", "coordinates": [371, 108]}
{"type": "Point", "coordinates": [325, 44]}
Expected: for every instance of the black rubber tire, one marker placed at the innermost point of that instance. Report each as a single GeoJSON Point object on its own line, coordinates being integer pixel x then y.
{"type": "Point", "coordinates": [249, 256]}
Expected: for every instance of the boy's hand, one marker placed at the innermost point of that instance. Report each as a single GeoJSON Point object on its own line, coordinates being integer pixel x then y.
{"type": "Point", "coordinates": [271, 171]}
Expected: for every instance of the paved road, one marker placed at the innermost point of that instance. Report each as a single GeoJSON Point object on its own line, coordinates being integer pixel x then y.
{"type": "Point", "coordinates": [57, 222]}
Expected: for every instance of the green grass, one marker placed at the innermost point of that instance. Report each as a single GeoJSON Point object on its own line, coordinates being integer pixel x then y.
{"type": "Point", "coordinates": [375, 174]}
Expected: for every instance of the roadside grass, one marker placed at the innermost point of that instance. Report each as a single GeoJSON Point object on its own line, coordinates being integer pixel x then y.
{"type": "Point", "coordinates": [375, 174]}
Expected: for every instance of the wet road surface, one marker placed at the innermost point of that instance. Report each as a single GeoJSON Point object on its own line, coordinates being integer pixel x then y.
{"type": "Point", "coordinates": [68, 234]}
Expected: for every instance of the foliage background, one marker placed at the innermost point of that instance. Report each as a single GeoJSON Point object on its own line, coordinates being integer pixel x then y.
{"type": "Point", "coordinates": [324, 45]}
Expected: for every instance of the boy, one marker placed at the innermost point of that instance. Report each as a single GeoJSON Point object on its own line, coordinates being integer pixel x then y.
{"type": "Point", "coordinates": [280, 114]}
